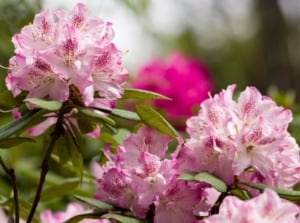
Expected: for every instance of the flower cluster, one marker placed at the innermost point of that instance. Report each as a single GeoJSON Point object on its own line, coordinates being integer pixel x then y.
{"type": "Point", "coordinates": [141, 179]}
{"type": "Point", "coordinates": [267, 207]}
{"type": "Point", "coordinates": [245, 139]}
{"type": "Point", "coordinates": [67, 56]}
{"type": "Point", "coordinates": [185, 80]}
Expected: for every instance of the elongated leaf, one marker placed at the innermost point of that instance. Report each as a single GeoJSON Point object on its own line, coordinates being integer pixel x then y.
{"type": "Point", "coordinates": [14, 126]}
{"type": "Point", "coordinates": [187, 176]}
{"type": "Point", "coordinates": [10, 142]}
{"type": "Point", "coordinates": [74, 144]}
{"type": "Point", "coordinates": [93, 215]}
{"type": "Point", "coordinates": [47, 105]}
{"type": "Point", "coordinates": [207, 178]}
{"type": "Point", "coordinates": [60, 189]}
{"type": "Point", "coordinates": [125, 114]}
{"type": "Point", "coordinates": [155, 120]}
{"type": "Point", "coordinates": [291, 195]}
{"type": "Point", "coordinates": [142, 94]}
{"type": "Point", "coordinates": [94, 202]}
{"type": "Point", "coordinates": [121, 218]}
{"type": "Point", "coordinates": [212, 180]}
{"type": "Point", "coordinates": [96, 116]}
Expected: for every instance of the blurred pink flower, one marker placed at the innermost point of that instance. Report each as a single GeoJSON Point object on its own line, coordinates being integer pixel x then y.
{"type": "Point", "coordinates": [267, 207]}
{"type": "Point", "coordinates": [72, 210]}
{"type": "Point", "coordinates": [68, 54]}
{"type": "Point", "coordinates": [185, 80]}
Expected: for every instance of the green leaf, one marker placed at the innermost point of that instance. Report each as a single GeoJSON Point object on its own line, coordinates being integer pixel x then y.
{"type": "Point", "coordinates": [125, 114]}
{"type": "Point", "coordinates": [77, 218]}
{"type": "Point", "coordinates": [25, 208]}
{"type": "Point", "coordinates": [10, 142]}
{"type": "Point", "coordinates": [240, 193]}
{"type": "Point", "coordinates": [74, 144]}
{"type": "Point", "coordinates": [142, 94]}
{"type": "Point", "coordinates": [212, 180]}
{"type": "Point", "coordinates": [121, 218]}
{"type": "Point", "coordinates": [59, 190]}
{"type": "Point", "coordinates": [94, 202]}
{"type": "Point", "coordinates": [7, 101]}
{"type": "Point", "coordinates": [14, 126]}
{"type": "Point", "coordinates": [186, 176]}
{"type": "Point", "coordinates": [3, 199]}
{"type": "Point", "coordinates": [297, 186]}
{"type": "Point", "coordinates": [96, 116]}
{"type": "Point", "coordinates": [47, 105]}
{"type": "Point", "coordinates": [155, 120]}
{"type": "Point", "coordinates": [291, 195]}
{"type": "Point", "coordinates": [207, 178]}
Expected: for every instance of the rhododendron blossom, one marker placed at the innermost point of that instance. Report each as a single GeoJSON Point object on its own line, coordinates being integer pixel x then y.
{"type": "Point", "coordinates": [185, 80]}
{"type": "Point", "coordinates": [66, 56]}
{"type": "Point", "coordinates": [268, 207]}
{"type": "Point", "coordinates": [72, 210]}
{"type": "Point", "coordinates": [139, 176]}
{"type": "Point", "coordinates": [230, 137]}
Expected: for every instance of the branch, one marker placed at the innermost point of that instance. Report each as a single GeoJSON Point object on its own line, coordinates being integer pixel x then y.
{"type": "Point", "coordinates": [11, 173]}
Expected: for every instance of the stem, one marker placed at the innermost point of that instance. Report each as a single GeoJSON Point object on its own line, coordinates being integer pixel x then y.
{"type": "Point", "coordinates": [11, 173]}
{"type": "Point", "coordinates": [58, 131]}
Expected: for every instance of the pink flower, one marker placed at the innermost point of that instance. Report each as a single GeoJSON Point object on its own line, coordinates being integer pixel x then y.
{"type": "Point", "coordinates": [185, 80]}
{"type": "Point", "coordinates": [137, 174]}
{"type": "Point", "coordinates": [115, 187]}
{"type": "Point", "coordinates": [230, 137]}
{"type": "Point", "coordinates": [268, 207]}
{"type": "Point", "coordinates": [66, 56]}
{"type": "Point", "coordinates": [139, 177]}
{"type": "Point", "coordinates": [72, 210]}
{"type": "Point", "coordinates": [177, 203]}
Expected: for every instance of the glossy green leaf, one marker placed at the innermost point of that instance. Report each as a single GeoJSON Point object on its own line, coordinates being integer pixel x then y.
{"type": "Point", "coordinates": [14, 126]}
{"type": "Point", "coordinates": [121, 218]}
{"type": "Point", "coordinates": [207, 178]}
{"type": "Point", "coordinates": [212, 180]}
{"type": "Point", "coordinates": [78, 218]}
{"type": "Point", "coordinates": [291, 195]}
{"type": "Point", "coordinates": [10, 142]}
{"type": "Point", "coordinates": [95, 203]}
{"type": "Point", "coordinates": [155, 120]}
{"type": "Point", "coordinates": [60, 190]}
{"type": "Point", "coordinates": [142, 94]}
{"type": "Point", "coordinates": [47, 105]}
{"type": "Point", "coordinates": [125, 114]}
{"type": "Point", "coordinates": [96, 116]}
{"type": "Point", "coordinates": [187, 176]}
